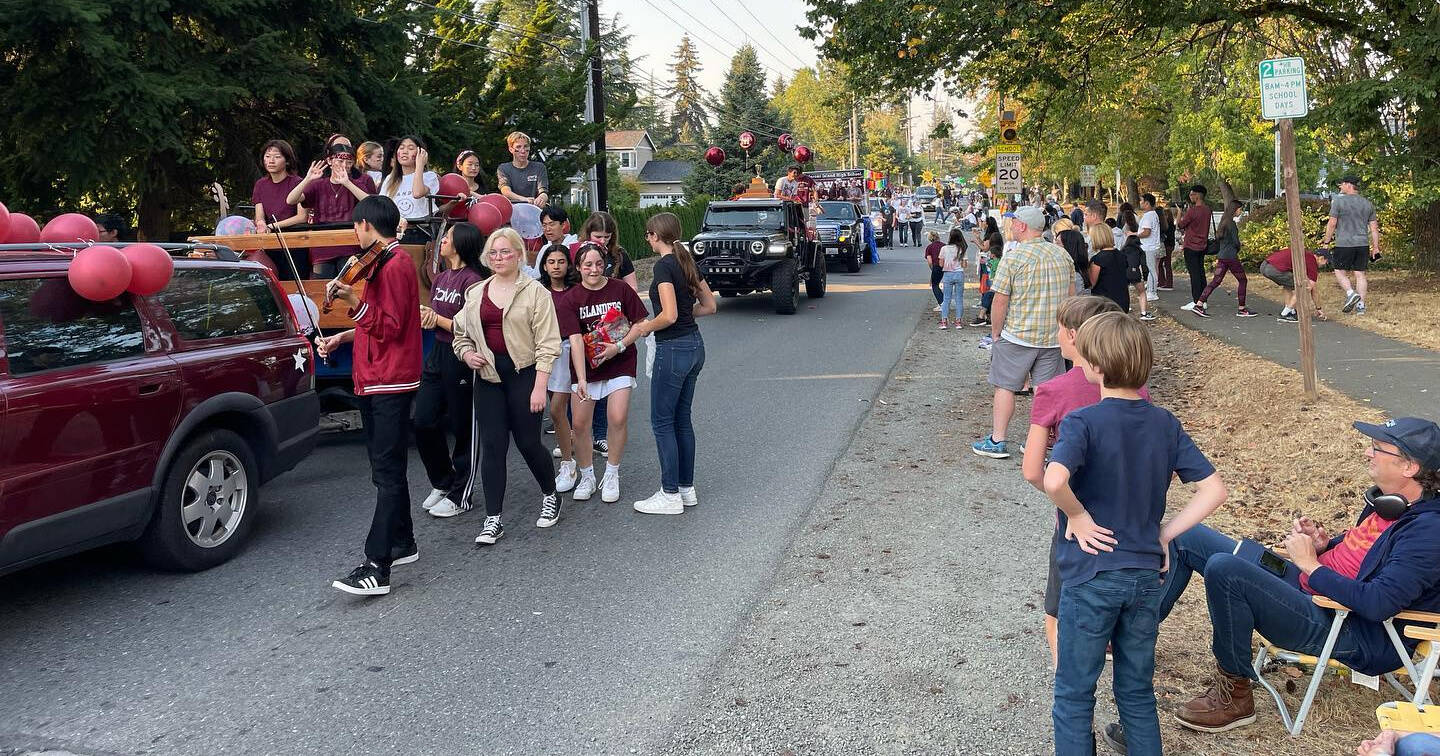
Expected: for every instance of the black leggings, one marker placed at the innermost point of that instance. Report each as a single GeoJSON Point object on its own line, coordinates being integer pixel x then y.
{"type": "Point", "coordinates": [935, 275]}
{"type": "Point", "coordinates": [502, 411]}
{"type": "Point", "coordinates": [444, 405]}
{"type": "Point", "coordinates": [1195, 266]}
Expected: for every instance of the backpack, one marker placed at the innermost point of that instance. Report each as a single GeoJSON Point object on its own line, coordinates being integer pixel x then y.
{"type": "Point", "coordinates": [1135, 267]}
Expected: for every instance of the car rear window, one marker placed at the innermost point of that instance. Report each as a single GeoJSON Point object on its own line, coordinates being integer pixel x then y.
{"type": "Point", "coordinates": [48, 326]}
{"type": "Point", "coordinates": [212, 303]}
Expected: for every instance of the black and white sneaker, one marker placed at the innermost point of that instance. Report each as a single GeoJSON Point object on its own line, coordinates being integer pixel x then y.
{"type": "Point", "coordinates": [366, 580]}
{"type": "Point", "coordinates": [549, 510]}
{"type": "Point", "coordinates": [491, 531]}
{"type": "Point", "coordinates": [404, 555]}
{"type": "Point", "coordinates": [1351, 299]}
{"type": "Point", "coordinates": [1289, 317]}
{"type": "Point", "coordinates": [603, 447]}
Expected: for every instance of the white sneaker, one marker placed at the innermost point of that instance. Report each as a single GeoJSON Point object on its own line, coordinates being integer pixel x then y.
{"type": "Point", "coordinates": [661, 503]}
{"type": "Point", "coordinates": [446, 508]}
{"type": "Point", "coordinates": [555, 452]}
{"type": "Point", "coordinates": [567, 477]}
{"type": "Point", "coordinates": [434, 498]}
{"type": "Point", "coordinates": [1188, 306]}
{"type": "Point", "coordinates": [610, 488]}
{"type": "Point", "coordinates": [585, 488]}
{"type": "Point", "coordinates": [688, 496]}
{"type": "Point", "coordinates": [1152, 297]}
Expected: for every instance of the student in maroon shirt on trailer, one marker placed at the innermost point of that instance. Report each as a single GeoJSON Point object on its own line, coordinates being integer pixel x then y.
{"type": "Point", "coordinates": [446, 398]}
{"type": "Point", "coordinates": [332, 188]}
{"type": "Point", "coordinates": [386, 372]}
{"type": "Point", "coordinates": [272, 211]}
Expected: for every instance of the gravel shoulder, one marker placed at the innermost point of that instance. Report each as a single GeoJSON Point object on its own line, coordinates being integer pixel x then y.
{"type": "Point", "coordinates": [905, 617]}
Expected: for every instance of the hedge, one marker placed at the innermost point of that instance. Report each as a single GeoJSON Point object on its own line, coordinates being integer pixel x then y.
{"type": "Point", "coordinates": [631, 222]}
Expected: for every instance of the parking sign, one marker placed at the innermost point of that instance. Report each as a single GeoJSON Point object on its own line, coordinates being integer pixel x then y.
{"type": "Point", "coordinates": [1282, 89]}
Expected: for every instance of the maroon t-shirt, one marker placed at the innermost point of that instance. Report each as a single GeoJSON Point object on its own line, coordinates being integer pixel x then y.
{"type": "Point", "coordinates": [447, 295]}
{"type": "Point", "coordinates": [492, 322]}
{"type": "Point", "coordinates": [333, 203]}
{"type": "Point", "coordinates": [580, 309]}
{"type": "Point", "coordinates": [270, 196]}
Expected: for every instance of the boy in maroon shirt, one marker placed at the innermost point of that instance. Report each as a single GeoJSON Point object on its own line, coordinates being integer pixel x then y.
{"type": "Point", "coordinates": [386, 372]}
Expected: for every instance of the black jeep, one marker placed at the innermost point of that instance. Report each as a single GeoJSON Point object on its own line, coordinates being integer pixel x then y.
{"type": "Point", "coordinates": [757, 244]}
{"type": "Point", "coordinates": [840, 234]}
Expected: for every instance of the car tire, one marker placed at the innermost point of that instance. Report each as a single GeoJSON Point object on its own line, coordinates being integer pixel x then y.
{"type": "Point", "coordinates": [785, 288]}
{"type": "Point", "coordinates": [815, 284]}
{"type": "Point", "coordinates": [852, 263]}
{"type": "Point", "coordinates": [197, 480]}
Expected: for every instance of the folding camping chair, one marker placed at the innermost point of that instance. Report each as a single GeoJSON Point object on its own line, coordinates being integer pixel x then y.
{"type": "Point", "coordinates": [1269, 651]}
{"type": "Point", "coordinates": [1414, 715]}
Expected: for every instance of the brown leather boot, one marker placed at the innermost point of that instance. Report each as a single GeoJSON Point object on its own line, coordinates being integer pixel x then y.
{"type": "Point", "coordinates": [1229, 703]}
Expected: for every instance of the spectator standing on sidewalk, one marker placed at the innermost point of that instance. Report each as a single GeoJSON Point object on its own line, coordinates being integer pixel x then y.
{"type": "Point", "coordinates": [1356, 232]}
{"type": "Point", "coordinates": [1151, 242]}
{"type": "Point", "coordinates": [1029, 284]}
{"type": "Point", "coordinates": [1166, 271]}
{"type": "Point", "coordinates": [1227, 259]}
{"type": "Point", "coordinates": [902, 220]}
{"type": "Point", "coordinates": [1195, 227]}
{"type": "Point", "coordinates": [1127, 238]}
{"type": "Point", "coordinates": [917, 218]}
{"type": "Point", "coordinates": [932, 258]}
{"type": "Point", "coordinates": [1280, 268]}
{"type": "Point", "coordinates": [1107, 268]}
{"type": "Point", "coordinates": [1074, 243]}
{"type": "Point", "coordinates": [952, 280]}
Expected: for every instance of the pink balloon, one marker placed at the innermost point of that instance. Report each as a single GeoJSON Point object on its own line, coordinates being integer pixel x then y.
{"type": "Point", "coordinates": [500, 203]}
{"type": "Point", "coordinates": [99, 273]}
{"type": "Point", "coordinates": [485, 217]}
{"type": "Point", "coordinates": [454, 183]}
{"type": "Point", "coordinates": [4, 223]}
{"type": "Point", "coordinates": [150, 268]}
{"type": "Point", "coordinates": [71, 227]}
{"type": "Point", "coordinates": [23, 229]}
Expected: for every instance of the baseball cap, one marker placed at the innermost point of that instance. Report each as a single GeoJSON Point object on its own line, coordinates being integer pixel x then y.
{"type": "Point", "coordinates": [1415, 438]}
{"type": "Point", "coordinates": [1350, 178]}
{"type": "Point", "coordinates": [1032, 217]}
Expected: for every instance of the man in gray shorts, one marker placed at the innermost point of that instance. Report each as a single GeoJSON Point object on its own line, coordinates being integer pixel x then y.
{"type": "Point", "coordinates": [1356, 232]}
{"type": "Point", "coordinates": [1029, 285]}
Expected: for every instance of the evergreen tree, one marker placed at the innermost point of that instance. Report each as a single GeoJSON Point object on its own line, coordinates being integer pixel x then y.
{"type": "Point", "coordinates": [743, 106]}
{"type": "Point", "coordinates": [689, 118]}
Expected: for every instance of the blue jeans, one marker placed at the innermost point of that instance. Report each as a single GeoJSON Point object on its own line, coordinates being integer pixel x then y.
{"type": "Point", "coordinates": [952, 283]}
{"type": "Point", "coordinates": [678, 363]}
{"type": "Point", "coordinates": [1244, 598]}
{"type": "Point", "coordinates": [600, 425]}
{"type": "Point", "coordinates": [1122, 608]}
{"type": "Point", "coordinates": [1418, 744]}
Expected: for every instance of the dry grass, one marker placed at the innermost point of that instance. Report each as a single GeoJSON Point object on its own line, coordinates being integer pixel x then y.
{"type": "Point", "coordinates": [1401, 304]}
{"type": "Point", "coordinates": [1280, 457]}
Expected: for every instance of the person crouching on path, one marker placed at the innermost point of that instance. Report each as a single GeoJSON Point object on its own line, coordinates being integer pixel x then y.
{"type": "Point", "coordinates": [560, 276]}
{"type": "Point", "coordinates": [445, 402]}
{"type": "Point", "coordinates": [508, 335]}
{"type": "Point", "coordinates": [611, 376]}
{"type": "Point", "coordinates": [387, 367]}
{"type": "Point", "coordinates": [1108, 475]}
{"type": "Point", "coordinates": [679, 295]}
{"type": "Point", "coordinates": [1279, 267]}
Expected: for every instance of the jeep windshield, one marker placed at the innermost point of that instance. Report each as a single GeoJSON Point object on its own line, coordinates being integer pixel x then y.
{"type": "Point", "coordinates": [745, 217]}
{"type": "Point", "coordinates": [837, 211]}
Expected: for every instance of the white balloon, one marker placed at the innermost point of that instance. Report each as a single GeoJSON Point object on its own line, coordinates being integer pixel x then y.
{"type": "Point", "coordinates": [305, 310]}
{"type": "Point", "coordinates": [525, 219]}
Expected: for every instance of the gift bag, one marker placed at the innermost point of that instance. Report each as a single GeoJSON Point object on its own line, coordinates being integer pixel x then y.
{"type": "Point", "coordinates": [611, 329]}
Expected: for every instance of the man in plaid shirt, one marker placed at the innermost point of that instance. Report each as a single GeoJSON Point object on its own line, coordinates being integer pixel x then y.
{"type": "Point", "coordinates": [1029, 285]}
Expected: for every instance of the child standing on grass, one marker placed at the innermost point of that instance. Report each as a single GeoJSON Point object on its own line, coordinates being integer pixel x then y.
{"type": "Point", "coordinates": [1108, 475]}
{"type": "Point", "coordinates": [1054, 399]}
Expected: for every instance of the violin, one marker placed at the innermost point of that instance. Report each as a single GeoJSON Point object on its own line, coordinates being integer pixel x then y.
{"type": "Point", "coordinates": [357, 269]}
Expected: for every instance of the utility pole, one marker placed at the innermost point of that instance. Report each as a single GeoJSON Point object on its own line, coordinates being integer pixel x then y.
{"type": "Point", "coordinates": [595, 105]}
{"type": "Point", "coordinates": [854, 136]}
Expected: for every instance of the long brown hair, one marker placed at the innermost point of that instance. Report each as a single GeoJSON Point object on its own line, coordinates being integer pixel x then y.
{"type": "Point", "coordinates": [666, 227]}
{"type": "Point", "coordinates": [604, 223]}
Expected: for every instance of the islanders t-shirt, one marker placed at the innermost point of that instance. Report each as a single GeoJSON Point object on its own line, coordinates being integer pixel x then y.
{"type": "Point", "coordinates": [579, 311]}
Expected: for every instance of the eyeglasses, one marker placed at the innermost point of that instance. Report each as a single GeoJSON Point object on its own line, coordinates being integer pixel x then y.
{"type": "Point", "coordinates": [503, 252]}
{"type": "Point", "coordinates": [1378, 450]}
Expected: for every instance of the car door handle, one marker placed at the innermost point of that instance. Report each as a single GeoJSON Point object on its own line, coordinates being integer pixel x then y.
{"type": "Point", "coordinates": [151, 388]}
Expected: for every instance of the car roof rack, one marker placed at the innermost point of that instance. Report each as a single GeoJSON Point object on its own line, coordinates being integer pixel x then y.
{"type": "Point", "coordinates": [176, 249]}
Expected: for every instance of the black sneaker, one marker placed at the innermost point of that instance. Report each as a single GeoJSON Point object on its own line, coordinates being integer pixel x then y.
{"type": "Point", "coordinates": [491, 531]}
{"type": "Point", "coordinates": [404, 555]}
{"type": "Point", "coordinates": [603, 447]}
{"type": "Point", "coordinates": [980, 321]}
{"type": "Point", "coordinates": [549, 510]}
{"type": "Point", "coordinates": [1200, 310]}
{"type": "Point", "coordinates": [366, 580]}
{"type": "Point", "coordinates": [1114, 736]}
{"type": "Point", "coordinates": [1288, 317]}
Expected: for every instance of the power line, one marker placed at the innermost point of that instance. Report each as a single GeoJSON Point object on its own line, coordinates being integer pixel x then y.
{"type": "Point", "coordinates": [704, 40]}
{"type": "Point", "coordinates": [767, 50]}
{"type": "Point", "coordinates": [766, 29]}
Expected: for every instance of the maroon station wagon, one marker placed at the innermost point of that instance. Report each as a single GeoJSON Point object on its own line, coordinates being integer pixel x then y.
{"type": "Point", "coordinates": [145, 418]}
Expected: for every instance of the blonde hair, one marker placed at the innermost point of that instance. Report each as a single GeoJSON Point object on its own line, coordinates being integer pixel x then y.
{"type": "Point", "coordinates": [1101, 237]}
{"type": "Point", "coordinates": [508, 234]}
{"type": "Point", "coordinates": [515, 136]}
{"type": "Point", "coordinates": [365, 150]}
{"type": "Point", "coordinates": [1062, 224]}
{"type": "Point", "coordinates": [933, 236]}
{"type": "Point", "coordinates": [1074, 311]}
{"type": "Point", "coordinates": [1118, 347]}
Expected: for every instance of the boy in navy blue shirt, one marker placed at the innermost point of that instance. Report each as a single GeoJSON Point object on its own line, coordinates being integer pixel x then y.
{"type": "Point", "coordinates": [1108, 475]}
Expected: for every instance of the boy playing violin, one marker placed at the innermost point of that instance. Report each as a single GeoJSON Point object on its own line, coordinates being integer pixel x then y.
{"type": "Point", "coordinates": [387, 366]}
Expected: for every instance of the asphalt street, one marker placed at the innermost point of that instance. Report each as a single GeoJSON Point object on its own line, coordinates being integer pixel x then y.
{"type": "Point", "coordinates": [585, 638]}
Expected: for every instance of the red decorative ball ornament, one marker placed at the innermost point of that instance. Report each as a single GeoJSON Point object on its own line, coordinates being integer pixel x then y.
{"type": "Point", "coordinates": [715, 156]}
{"type": "Point", "coordinates": [454, 183]}
{"type": "Point", "coordinates": [747, 140]}
{"type": "Point", "coordinates": [150, 268]}
{"type": "Point", "coordinates": [4, 223]}
{"type": "Point", "coordinates": [803, 154]}
{"type": "Point", "coordinates": [99, 273]}
{"type": "Point", "coordinates": [502, 205]}
{"type": "Point", "coordinates": [787, 142]}
{"type": "Point", "coordinates": [23, 229]}
{"type": "Point", "coordinates": [71, 227]}
{"type": "Point", "coordinates": [484, 216]}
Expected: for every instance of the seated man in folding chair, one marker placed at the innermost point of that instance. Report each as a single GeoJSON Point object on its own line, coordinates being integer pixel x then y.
{"type": "Point", "coordinates": [1388, 563]}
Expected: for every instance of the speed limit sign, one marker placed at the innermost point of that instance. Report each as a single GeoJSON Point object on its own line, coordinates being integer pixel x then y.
{"type": "Point", "coordinates": [1007, 170]}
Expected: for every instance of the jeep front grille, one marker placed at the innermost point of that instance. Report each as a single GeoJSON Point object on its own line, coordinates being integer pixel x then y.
{"type": "Point", "coordinates": [727, 247]}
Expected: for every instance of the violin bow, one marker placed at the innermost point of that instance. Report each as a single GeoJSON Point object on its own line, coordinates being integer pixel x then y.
{"type": "Point", "coordinates": [315, 333]}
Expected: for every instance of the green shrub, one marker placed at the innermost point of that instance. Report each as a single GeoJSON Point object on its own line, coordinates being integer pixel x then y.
{"type": "Point", "coordinates": [1267, 229]}
{"type": "Point", "coordinates": [631, 222]}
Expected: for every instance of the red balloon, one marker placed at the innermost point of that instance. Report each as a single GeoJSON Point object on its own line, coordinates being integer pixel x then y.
{"type": "Point", "coordinates": [715, 156]}
{"type": "Point", "coordinates": [150, 268]}
{"type": "Point", "coordinates": [4, 223]}
{"type": "Point", "coordinates": [747, 140]}
{"type": "Point", "coordinates": [71, 227]}
{"type": "Point", "coordinates": [99, 273]}
{"type": "Point", "coordinates": [786, 142]}
{"type": "Point", "coordinates": [802, 154]}
{"type": "Point", "coordinates": [485, 217]}
{"type": "Point", "coordinates": [454, 183]}
{"type": "Point", "coordinates": [500, 203]}
{"type": "Point", "coordinates": [23, 229]}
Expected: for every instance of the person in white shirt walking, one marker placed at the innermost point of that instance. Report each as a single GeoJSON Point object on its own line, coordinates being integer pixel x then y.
{"type": "Point", "coordinates": [1150, 243]}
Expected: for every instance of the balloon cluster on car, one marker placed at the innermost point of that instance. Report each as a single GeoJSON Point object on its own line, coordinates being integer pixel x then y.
{"type": "Point", "coordinates": [98, 272]}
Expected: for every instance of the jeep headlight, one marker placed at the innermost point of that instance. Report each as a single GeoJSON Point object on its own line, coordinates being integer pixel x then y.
{"type": "Point", "coordinates": [756, 247]}
{"type": "Point", "coordinates": [778, 249]}
{"type": "Point", "coordinates": [697, 248]}
{"type": "Point", "coordinates": [844, 237]}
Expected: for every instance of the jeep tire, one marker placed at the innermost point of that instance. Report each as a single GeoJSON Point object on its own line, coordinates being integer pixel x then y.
{"type": "Point", "coordinates": [852, 262]}
{"type": "Point", "coordinates": [815, 283]}
{"type": "Point", "coordinates": [785, 287]}
{"type": "Point", "coordinates": [207, 503]}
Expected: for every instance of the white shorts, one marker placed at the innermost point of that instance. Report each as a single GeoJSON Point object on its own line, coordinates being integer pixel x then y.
{"type": "Point", "coordinates": [598, 390]}
{"type": "Point", "coordinates": [559, 382]}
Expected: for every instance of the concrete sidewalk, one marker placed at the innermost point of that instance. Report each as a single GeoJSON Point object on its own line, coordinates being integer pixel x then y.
{"type": "Point", "coordinates": [1398, 378]}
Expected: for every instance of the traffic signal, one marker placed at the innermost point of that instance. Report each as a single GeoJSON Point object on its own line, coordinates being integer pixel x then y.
{"type": "Point", "coordinates": [1009, 134]}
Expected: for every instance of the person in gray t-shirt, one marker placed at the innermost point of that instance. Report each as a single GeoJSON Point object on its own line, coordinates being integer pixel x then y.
{"type": "Point", "coordinates": [1356, 232]}
{"type": "Point", "coordinates": [522, 179]}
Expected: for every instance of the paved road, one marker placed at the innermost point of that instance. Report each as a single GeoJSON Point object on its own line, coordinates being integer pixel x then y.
{"type": "Point", "coordinates": [586, 638]}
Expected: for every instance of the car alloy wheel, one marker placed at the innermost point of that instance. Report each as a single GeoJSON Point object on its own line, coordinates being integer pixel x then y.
{"type": "Point", "coordinates": [216, 492]}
